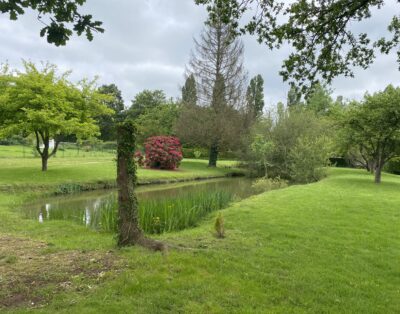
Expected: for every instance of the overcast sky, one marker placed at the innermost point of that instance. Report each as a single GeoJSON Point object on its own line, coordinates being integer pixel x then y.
{"type": "Point", "coordinates": [147, 44]}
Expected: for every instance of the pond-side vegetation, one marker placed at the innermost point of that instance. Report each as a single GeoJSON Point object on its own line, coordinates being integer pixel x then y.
{"type": "Point", "coordinates": [162, 208]}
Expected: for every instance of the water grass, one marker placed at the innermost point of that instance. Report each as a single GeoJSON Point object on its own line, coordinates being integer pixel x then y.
{"type": "Point", "coordinates": [164, 215]}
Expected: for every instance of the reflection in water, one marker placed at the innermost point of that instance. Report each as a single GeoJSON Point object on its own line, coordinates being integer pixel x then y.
{"type": "Point", "coordinates": [87, 216]}
{"type": "Point", "coordinates": [93, 208]}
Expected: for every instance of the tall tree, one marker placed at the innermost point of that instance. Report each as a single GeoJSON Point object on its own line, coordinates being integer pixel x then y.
{"type": "Point", "coordinates": [373, 126]}
{"type": "Point", "coordinates": [145, 100]}
{"type": "Point", "coordinates": [107, 123]}
{"type": "Point", "coordinates": [217, 66]}
{"type": "Point", "coordinates": [255, 97]}
{"type": "Point", "coordinates": [319, 100]}
{"type": "Point", "coordinates": [61, 18]}
{"type": "Point", "coordinates": [42, 103]}
{"type": "Point", "coordinates": [320, 31]}
{"type": "Point", "coordinates": [189, 91]}
{"type": "Point", "coordinates": [293, 97]}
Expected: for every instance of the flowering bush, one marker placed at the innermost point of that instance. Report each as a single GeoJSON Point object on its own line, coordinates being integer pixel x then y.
{"type": "Point", "coordinates": [163, 152]}
{"type": "Point", "coordinates": [139, 158]}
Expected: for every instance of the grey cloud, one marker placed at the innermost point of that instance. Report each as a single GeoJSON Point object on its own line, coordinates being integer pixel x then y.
{"type": "Point", "coordinates": [147, 44]}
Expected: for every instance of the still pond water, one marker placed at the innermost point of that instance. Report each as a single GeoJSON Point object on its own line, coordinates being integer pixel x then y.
{"type": "Point", "coordinates": [164, 207]}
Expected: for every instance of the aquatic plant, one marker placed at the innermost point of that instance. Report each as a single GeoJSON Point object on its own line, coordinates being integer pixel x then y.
{"type": "Point", "coordinates": [165, 215]}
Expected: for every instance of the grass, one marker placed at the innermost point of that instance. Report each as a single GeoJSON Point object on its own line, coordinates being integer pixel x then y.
{"type": "Point", "coordinates": [91, 170]}
{"type": "Point", "coordinates": [328, 247]}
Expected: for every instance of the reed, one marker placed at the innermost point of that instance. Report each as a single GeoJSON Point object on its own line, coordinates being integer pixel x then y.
{"type": "Point", "coordinates": [164, 215]}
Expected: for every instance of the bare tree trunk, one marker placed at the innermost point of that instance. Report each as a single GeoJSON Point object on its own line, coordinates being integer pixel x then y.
{"type": "Point", "coordinates": [44, 162]}
{"type": "Point", "coordinates": [212, 161]}
{"type": "Point", "coordinates": [45, 153]}
{"type": "Point", "coordinates": [129, 231]}
{"type": "Point", "coordinates": [378, 174]}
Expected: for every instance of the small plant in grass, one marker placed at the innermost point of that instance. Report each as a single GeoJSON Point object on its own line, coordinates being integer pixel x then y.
{"type": "Point", "coordinates": [163, 152]}
{"type": "Point", "coordinates": [157, 228]}
{"type": "Point", "coordinates": [219, 226]}
{"type": "Point", "coordinates": [268, 184]}
{"type": "Point", "coordinates": [197, 154]}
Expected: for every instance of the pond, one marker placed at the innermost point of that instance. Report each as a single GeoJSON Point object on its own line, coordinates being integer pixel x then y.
{"type": "Point", "coordinates": [162, 208]}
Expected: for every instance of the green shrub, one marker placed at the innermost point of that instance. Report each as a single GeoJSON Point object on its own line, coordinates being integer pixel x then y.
{"type": "Point", "coordinates": [308, 158]}
{"type": "Point", "coordinates": [68, 188]}
{"type": "Point", "coordinates": [393, 166]}
{"type": "Point", "coordinates": [268, 184]}
{"type": "Point", "coordinates": [192, 152]}
{"type": "Point", "coordinates": [197, 154]}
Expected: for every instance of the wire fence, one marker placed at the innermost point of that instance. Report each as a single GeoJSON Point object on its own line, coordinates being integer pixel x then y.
{"type": "Point", "coordinates": [65, 150]}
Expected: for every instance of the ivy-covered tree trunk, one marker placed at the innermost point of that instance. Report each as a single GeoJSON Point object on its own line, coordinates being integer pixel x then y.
{"type": "Point", "coordinates": [129, 231]}
{"type": "Point", "coordinates": [214, 150]}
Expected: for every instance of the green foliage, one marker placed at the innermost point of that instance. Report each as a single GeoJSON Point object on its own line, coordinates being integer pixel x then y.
{"type": "Point", "coordinates": [293, 97]}
{"type": "Point", "coordinates": [189, 152]}
{"type": "Point", "coordinates": [294, 147]}
{"type": "Point", "coordinates": [64, 18]}
{"type": "Point", "coordinates": [255, 97]}
{"type": "Point", "coordinates": [107, 123]}
{"type": "Point", "coordinates": [373, 128]}
{"type": "Point", "coordinates": [321, 33]}
{"type": "Point", "coordinates": [262, 149]}
{"type": "Point", "coordinates": [158, 120]}
{"type": "Point", "coordinates": [189, 91]}
{"type": "Point", "coordinates": [197, 153]}
{"type": "Point", "coordinates": [268, 184]}
{"type": "Point", "coordinates": [38, 101]}
{"type": "Point", "coordinates": [393, 166]}
{"type": "Point", "coordinates": [320, 101]}
{"type": "Point", "coordinates": [68, 188]}
{"type": "Point", "coordinates": [308, 158]}
{"type": "Point", "coordinates": [144, 101]}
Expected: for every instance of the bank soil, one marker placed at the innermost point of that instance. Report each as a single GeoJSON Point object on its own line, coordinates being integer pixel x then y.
{"type": "Point", "coordinates": [32, 272]}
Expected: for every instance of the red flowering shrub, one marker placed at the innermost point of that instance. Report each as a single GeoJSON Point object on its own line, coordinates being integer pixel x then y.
{"type": "Point", "coordinates": [163, 152]}
{"type": "Point", "coordinates": [139, 158]}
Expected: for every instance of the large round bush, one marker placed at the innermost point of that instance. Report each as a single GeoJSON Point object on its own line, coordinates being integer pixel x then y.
{"type": "Point", "coordinates": [163, 152]}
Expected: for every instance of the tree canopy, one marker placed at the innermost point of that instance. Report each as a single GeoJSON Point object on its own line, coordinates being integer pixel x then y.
{"type": "Point", "coordinates": [61, 18]}
{"type": "Point", "coordinates": [189, 91]}
{"type": "Point", "coordinates": [255, 96]}
{"type": "Point", "coordinates": [145, 100]}
{"type": "Point", "coordinates": [40, 102]}
{"type": "Point", "coordinates": [107, 123]}
{"type": "Point", "coordinates": [373, 127]}
{"type": "Point", "coordinates": [325, 46]}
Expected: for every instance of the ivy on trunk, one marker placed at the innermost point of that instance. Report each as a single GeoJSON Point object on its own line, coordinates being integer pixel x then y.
{"type": "Point", "coordinates": [129, 230]}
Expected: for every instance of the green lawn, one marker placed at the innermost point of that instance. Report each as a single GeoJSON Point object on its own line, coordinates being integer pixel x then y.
{"type": "Point", "coordinates": [26, 172]}
{"type": "Point", "coordinates": [328, 247]}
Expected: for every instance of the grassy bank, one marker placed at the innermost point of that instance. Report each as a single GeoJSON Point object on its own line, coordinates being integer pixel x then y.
{"type": "Point", "coordinates": [96, 171]}
{"type": "Point", "coordinates": [328, 247]}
